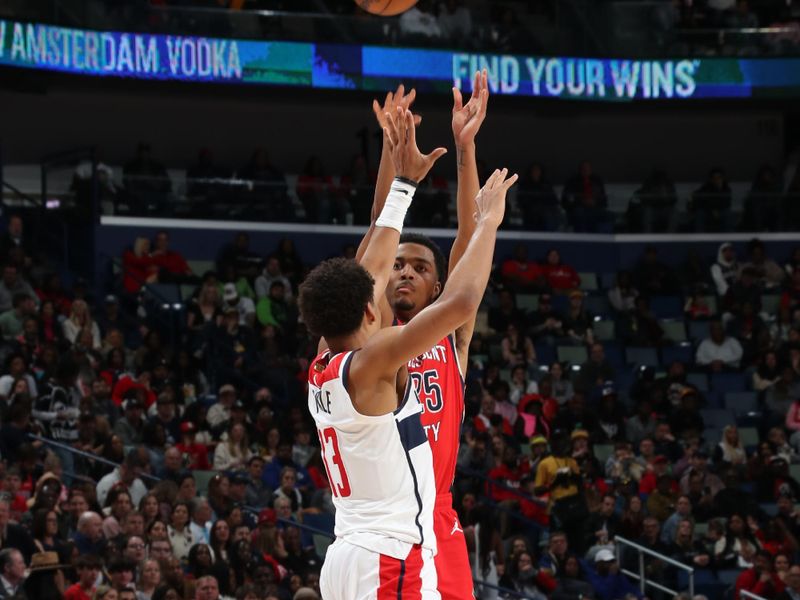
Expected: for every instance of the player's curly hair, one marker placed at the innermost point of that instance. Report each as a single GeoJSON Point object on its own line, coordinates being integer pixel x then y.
{"type": "Point", "coordinates": [438, 256]}
{"type": "Point", "coordinates": [333, 297]}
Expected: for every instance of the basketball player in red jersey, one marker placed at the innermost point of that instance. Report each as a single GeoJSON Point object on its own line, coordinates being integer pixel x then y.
{"type": "Point", "coordinates": [417, 281]}
{"type": "Point", "coordinates": [355, 394]}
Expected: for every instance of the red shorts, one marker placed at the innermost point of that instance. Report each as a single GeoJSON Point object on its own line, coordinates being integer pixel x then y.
{"type": "Point", "coordinates": [452, 562]}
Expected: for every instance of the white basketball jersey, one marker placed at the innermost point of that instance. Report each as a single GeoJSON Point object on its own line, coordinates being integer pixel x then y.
{"type": "Point", "coordinates": [380, 468]}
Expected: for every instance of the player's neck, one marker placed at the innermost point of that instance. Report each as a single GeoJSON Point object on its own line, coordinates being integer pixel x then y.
{"type": "Point", "coordinates": [346, 343]}
{"type": "Point", "coordinates": [405, 316]}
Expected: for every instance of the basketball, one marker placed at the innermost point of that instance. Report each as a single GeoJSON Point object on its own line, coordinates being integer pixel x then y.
{"type": "Point", "coordinates": [385, 8]}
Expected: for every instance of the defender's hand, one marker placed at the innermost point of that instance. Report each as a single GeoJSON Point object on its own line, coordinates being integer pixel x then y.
{"type": "Point", "coordinates": [391, 102]}
{"type": "Point", "coordinates": [491, 200]}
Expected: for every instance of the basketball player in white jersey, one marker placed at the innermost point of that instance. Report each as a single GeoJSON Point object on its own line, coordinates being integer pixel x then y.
{"type": "Point", "coordinates": [374, 448]}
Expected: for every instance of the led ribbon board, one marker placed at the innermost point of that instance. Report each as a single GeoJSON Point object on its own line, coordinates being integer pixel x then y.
{"type": "Point", "coordinates": [332, 66]}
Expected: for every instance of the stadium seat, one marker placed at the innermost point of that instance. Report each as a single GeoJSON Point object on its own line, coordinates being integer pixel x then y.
{"type": "Point", "coordinates": [602, 452]}
{"type": "Point", "coordinates": [642, 356]}
{"type": "Point", "coordinates": [718, 418]}
{"type": "Point", "coordinates": [794, 471]}
{"type": "Point", "coordinates": [729, 382]}
{"type": "Point", "coordinates": [574, 355]}
{"type": "Point", "coordinates": [201, 479]}
{"type": "Point", "coordinates": [625, 378]}
{"type": "Point", "coordinates": [741, 403]}
{"type": "Point", "coordinates": [749, 436]}
{"type": "Point", "coordinates": [545, 354]}
{"type": "Point", "coordinates": [496, 352]}
{"type": "Point", "coordinates": [588, 282]}
{"type": "Point", "coordinates": [608, 280]}
{"type": "Point", "coordinates": [614, 354]}
{"type": "Point", "coordinates": [711, 301]}
{"type": "Point", "coordinates": [667, 307]}
{"type": "Point", "coordinates": [681, 353]}
{"type": "Point", "coordinates": [505, 375]}
{"type": "Point", "coordinates": [698, 330]}
{"type": "Point", "coordinates": [598, 306]}
{"type": "Point", "coordinates": [728, 576]}
{"type": "Point", "coordinates": [527, 302]}
{"type": "Point", "coordinates": [698, 380]}
{"type": "Point", "coordinates": [323, 522]}
{"type": "Point", "coordinates": [603, 330]}
{"type": "Point", "coordinates": [675, 331]}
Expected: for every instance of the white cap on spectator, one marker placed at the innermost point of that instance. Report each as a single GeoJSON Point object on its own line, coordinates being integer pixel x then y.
{"type": "Point", "coordinates": [604, 555]}
{"type": "Point", "coordinates": [229, 292]}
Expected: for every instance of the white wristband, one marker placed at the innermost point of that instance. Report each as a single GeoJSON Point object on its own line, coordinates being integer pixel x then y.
{"type": "Point", "coordinates": [397, 204]}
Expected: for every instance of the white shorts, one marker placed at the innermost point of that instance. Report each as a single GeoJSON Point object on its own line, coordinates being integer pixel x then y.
{"type": "Point", "coordinates": [354, 573]}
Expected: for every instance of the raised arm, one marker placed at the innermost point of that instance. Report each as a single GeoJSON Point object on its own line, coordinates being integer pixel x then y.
{"type": "Point", "coordinates": [467, 120]}
{"type": "Point", "coordinates": [389, 349]}
{"type": "Point", "coordinates": [386, 170]}
{"type": "Point", "coordinates": [411, 167]}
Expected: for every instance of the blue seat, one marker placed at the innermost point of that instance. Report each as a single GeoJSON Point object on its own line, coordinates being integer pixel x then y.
{"type": "Point", "coordinates": [698, 380]}
{"type": "Point", "coordinates": [717, 418]}
{"type": "Point", "coordinates": [741, 403]}
{"type": "Point", "coordinates": [714, 399]}
{"type": "Point", "coordinates": [598, 306]}
{"type": "Point", "coordinates": [701, 577]}
{"type": "Point", "coordinates": [698, 330]}
{"type": "Point", "coordinates": [614, 354]}
{"type": "Point", "coordinates": [604, 330]}
{"type": "Point", "coordinates": [642, 356]}
{"type": "Point", "coordinates": [625, 378]}
{"type": "Point", "coordinates": [728, 576]}
{"type": "Point", "coordinates": [729, 382]}
{"type": "Point", "coordinates": [574, 355]}
{"type": "Point", "coordinates": [608, 280]}
{"type": "Point", "coordinates": [682, 353]}
{"type": "Point", "coordinates": [545, 354]}
{"type": "Point", "coordinates": [667, 307]}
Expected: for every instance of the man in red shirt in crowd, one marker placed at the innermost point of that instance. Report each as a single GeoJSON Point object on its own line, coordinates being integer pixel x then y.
{"type": "Point", "coordinates": [520, 273]}
{"type": "Point", "coordinates": [88, 568]}
{"type": "Point", "coordinates": [760, 579]}
{"type": "Point", "coordinates": [173, 265]}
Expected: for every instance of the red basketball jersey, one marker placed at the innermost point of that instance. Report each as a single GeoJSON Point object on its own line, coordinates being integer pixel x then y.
{"type": "Point", "coordinates": [437, 377]}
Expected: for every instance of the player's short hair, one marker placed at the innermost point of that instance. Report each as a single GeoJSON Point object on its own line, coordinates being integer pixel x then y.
{"type": "Point", "coordinates": [440, 262]}
{"type": "Point", "coordinates": [333, 297]}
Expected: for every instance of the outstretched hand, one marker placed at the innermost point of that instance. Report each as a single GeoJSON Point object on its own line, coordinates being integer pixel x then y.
{"type": "Point", "coordinates": [491, 200]}
{"type": "Point", "coordinates": [401, 135]}
{"type": "Point", "coordinates": [392, 101]}
{"type": "Point", "coordinates": [467, 118]}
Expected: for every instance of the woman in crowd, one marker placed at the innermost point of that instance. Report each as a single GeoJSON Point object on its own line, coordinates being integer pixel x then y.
{"type": "Point", "coordinates": [736, 549]}
{"type": "Point", "coordinates": [81, 318]}
{"type": "Point", "coordinates": [180, 535]}
{"type": "Point", "coordinates": [517, 348]}
{"type": "Point", "coordinates": [220, 540]}
{"type": "Point", "coordinates": [524, 577]}
{"type": "Point", "coordinates": [118, 505]}
{"type": "Point", "coordinates": [149, 509]}
{"type": "Point", "coordinates": [235, 452]}
{"type": "Point", "coordinates": [571, 582]}
{"type": "Point", "coordinates": [520, 385]}
{"type": "Point", "coordinates": [149, 579]}
{"type": "Point", "coordinates": [730, 451]}
{"type": "Point", "coordinates": [686, 549]}
{"type": "Point", "coordinates": [562, 387]}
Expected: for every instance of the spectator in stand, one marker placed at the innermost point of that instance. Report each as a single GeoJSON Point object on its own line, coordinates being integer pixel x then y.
{"type": "Point", "coordinates": [653, 277]}
{"type": "Point", "coordinates": [12, 284]}
{"type": "Point", "coordinates": [561, 277]}
{"type": "Point", "coordinates": [767, 272]}
{"type": "Point", "coordinates": [244, 306]}
{"type": "Point", "coordinates": [80, 318]}
{"type": "Point", "coordinates": [88, 568]}
{"type": "Point", "coordinates": [526, 579]}
{"type": "Point", "coordinates": [171, 264]}
{"type": "Point", "coordinates": [711, 202]}
{"type": "Point", "coordinates": [584, 198]}
{"type": "Point", "coordinates": [14, 238]}
{"type": "Point", "coordinates": [506, 312]}
{"type": "Point", "coordinates": [269, 186]}
{"type": "Point", "coordinates": [725, 271]}
{"type": "Point", "coordinates": [657, 199]}
{"type": "Point", "coordinates": [792, 582]}
{"type": "Point", "coordinates": [730, 451]}
{"type": "Point", "coordinates": [455, 23]}
{"type": "Point", "coordinates": [518, 348]}
{"type": "Point", "coordinates": [577, 320]}
{"type": "Point", "coordinates": [272, 273]}
{"type": "Point", "coordinates": [538, 202]}
{"type": "Point", "coordinates": [12, 320]}
{"type": "Point", "coordinates": [595, 371]}
{"type": "Point", "coordinates": [138, 266]}
{"type": "Point", "coordinates": [790, 300]}
{"type": "Point", "coordinates": [521, 274]}
{"type": "Point", "coordinates": [235, 452]}
{"type": "Point", "coordinates": [719, 352]}
{"type": "Point", "coordinates": [545, 322]}
{"type": "Point", "coordinates": [623, 295]}
{"type": "Point", "coordinates": [760, 579]}
{"type": "Point", "coordinates": [607, 581]}
{"type": "Point", "coordinates": [640, 327]}
{"type": "Point", "coordinates": [420, 23]}
{"type": "Point", "coordinates": [520, 384]}
{"type": "Point", "coordinates": [573, 583]}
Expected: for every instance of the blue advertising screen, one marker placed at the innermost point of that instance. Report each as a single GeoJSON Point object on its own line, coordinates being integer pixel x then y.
{"type": "Point", "coordinates": [340, 66]}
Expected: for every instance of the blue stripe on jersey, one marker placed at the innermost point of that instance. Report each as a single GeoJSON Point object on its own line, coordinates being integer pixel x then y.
{"type": "Point", "coordinates": [411, 432]}
{"type": "Point", "coordinates": [346, 369]}
{"type": "Point", "coordinates": [452, 340]}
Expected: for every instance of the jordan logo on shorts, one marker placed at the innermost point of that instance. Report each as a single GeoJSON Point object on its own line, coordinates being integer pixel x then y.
{"type": "Point", "coordinates": [456, 527]}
